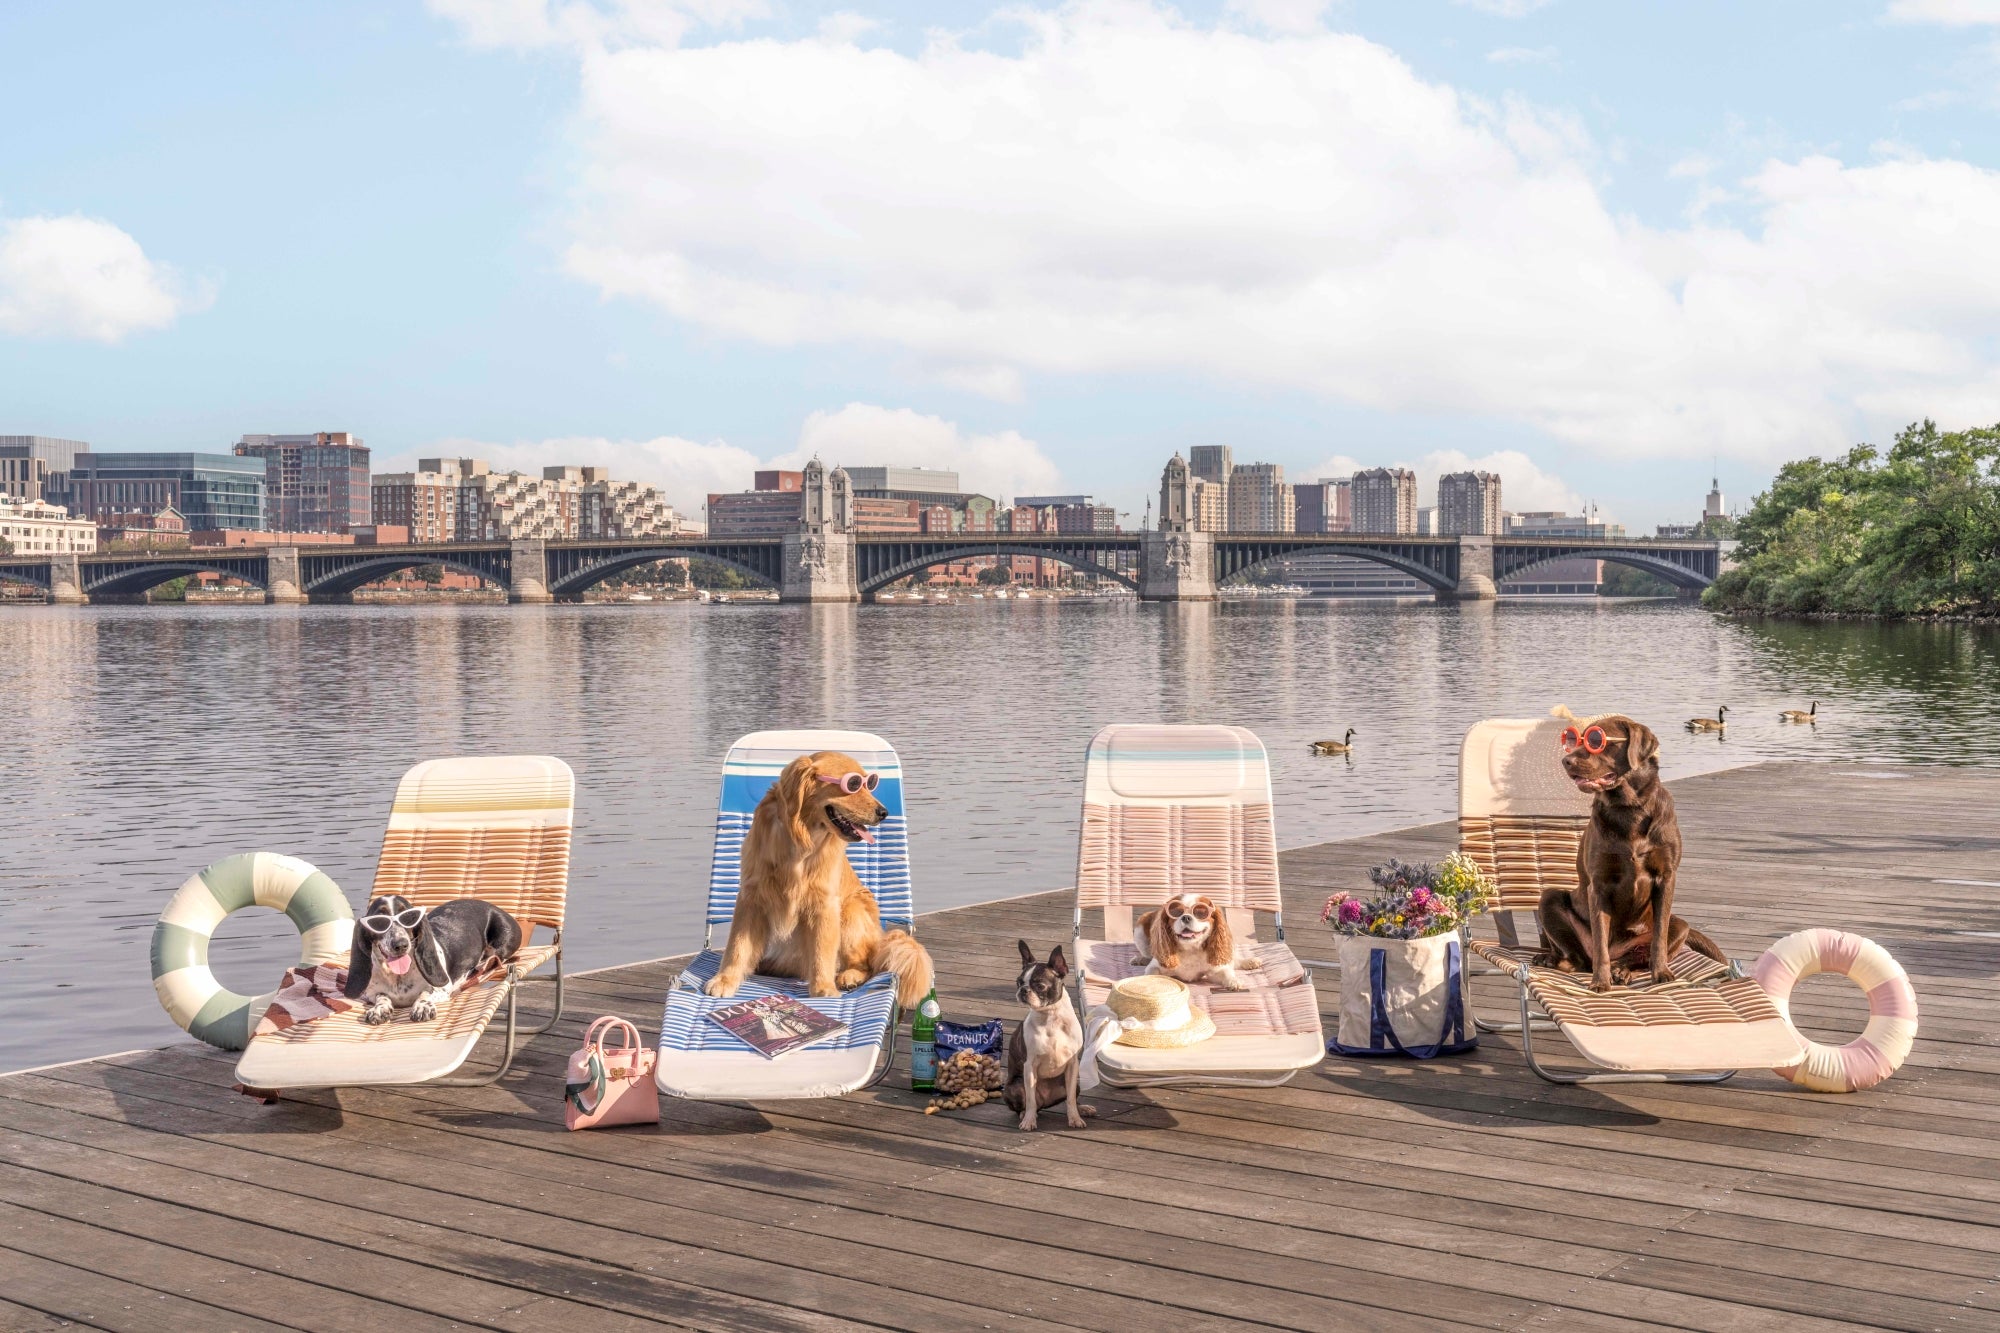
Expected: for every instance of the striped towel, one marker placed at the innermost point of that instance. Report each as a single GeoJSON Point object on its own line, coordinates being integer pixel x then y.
{"type": "Point", "coordinates": [305, 994]}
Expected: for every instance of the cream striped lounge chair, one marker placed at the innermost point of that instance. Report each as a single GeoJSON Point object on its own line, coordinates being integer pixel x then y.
{"type": "Point", "coordinates": [1521, 819]}
{"type": "Point", "coordinates": [496, 828]}
{"type": "Point", "coordinates": [1187, 809]}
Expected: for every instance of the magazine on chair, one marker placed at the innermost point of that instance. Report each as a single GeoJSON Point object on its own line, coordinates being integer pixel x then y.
{"type": "Point", "coordinates": [773, 1025]}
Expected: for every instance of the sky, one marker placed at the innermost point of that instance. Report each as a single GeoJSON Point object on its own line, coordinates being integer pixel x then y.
{"type": "Point", "coordinates": [1603, 249]}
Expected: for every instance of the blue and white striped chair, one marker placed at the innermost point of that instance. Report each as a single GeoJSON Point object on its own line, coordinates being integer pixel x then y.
{"type": "Point", "coordinates": [701, 1059]}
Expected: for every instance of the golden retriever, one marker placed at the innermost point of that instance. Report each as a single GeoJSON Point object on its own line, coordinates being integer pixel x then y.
{"type": "Point", "coordinates": [800, 911]}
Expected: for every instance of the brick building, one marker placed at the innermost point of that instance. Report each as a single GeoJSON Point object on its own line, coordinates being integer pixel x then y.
{"type": "Point", "coordinates": [312, 483]}
{"type": "Point", "coordinates": [1469, 504]}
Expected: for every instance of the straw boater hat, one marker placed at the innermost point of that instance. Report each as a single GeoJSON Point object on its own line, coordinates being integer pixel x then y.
{"type": "Point", "coordinates": [1153, 1010]}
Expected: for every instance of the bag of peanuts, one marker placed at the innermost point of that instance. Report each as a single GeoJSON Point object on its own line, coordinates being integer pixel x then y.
{"type": "Point", "coordinates": [972, 1064]}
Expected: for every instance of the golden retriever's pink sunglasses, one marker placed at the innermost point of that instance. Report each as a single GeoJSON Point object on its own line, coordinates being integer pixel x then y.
{"type": "Point", "coordinates": [852, 783]}
{"type": "Point", "coordinates": [1592, 739]}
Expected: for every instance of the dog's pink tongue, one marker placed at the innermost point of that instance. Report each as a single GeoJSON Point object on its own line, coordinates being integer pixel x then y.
{"type": "Point", "coordinates": [397, 965]}
{"type": "Point", "coordinates": [866, 836]}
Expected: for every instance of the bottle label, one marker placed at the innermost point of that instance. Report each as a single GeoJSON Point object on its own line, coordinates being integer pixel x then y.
{"type": "Point", "coordinates": [923, 1064]}
{"type": "Point", "coordinates": [929, 1008]}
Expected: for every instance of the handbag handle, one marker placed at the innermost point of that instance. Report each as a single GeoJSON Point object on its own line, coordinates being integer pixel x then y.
{"type": "Point", "coordinates": [1451, 1031]}
{"type": "Point", "coordinates": [628, 1035]}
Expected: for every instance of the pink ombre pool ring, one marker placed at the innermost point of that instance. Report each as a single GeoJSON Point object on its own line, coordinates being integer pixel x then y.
{"type": "Point", "coordinates": [1892, 1007]}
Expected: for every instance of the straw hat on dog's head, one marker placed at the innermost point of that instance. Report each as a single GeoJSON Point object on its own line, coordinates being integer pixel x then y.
{"type": "Point", "coordinates": [1154, 1010]}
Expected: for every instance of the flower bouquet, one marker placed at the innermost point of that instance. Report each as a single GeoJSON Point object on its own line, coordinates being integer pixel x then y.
{"type": "Point", "coordinates": [1413, 902]}
{"type": "Point", "coordinates": [1402, 984]}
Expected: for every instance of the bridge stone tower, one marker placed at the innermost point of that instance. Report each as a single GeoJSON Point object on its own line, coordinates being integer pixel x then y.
{"type": "Point", "coordinates": [1176, 563]}
{"type": "Point", "coordinates": [282, 582]}
{"type": "Point", "coordinates": [1475, 572]}
{"type": "Point", "coordinates": [66, 581]}
{"type": "Point", "coordinates": [818, 562]}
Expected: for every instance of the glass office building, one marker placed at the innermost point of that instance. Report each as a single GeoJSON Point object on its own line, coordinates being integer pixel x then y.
{"type": "Point", "coordinates": [212, 491]}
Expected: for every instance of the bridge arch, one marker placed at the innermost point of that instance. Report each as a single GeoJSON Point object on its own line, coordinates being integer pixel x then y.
{"type": "Point", "coordinates": [34, 576]}
{"type": "Point", "coordinates": [590, 575]}
{"type": "Point", "coordinates": [138, 580]}
{"type": "Point", "coordinates": [1679, 575]}
{"type": "Point", "coordinates": [929, 559]}
{"type": "Point", "coordinates": [1240, 558]}
{"type": "Point", "coordinates": [347, 577]}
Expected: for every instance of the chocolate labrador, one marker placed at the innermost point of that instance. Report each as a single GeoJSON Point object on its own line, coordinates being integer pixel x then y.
{"type": "Point", "coordinates": [1625, 867]}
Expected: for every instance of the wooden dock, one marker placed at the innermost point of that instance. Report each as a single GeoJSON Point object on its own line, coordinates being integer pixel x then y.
{"type": "Point", "coordinates": [138, 1192]}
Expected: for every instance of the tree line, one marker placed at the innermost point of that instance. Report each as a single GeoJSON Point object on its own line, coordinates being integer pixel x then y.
{"type": "Point", "coordinates": [1913, 530]}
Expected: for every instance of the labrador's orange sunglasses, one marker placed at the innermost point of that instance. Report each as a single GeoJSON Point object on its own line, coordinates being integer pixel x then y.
{"type": "Point", "coordinates": [1592, 739]}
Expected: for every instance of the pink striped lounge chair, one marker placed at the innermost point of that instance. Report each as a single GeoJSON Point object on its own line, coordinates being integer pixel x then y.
{"type": "Point", "coordinates": [1187, 809]}
{"type": "Point", "coordinates": [1521, 819]}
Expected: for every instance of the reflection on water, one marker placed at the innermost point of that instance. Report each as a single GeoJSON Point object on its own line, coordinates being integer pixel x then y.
{"type": "Point", "coordinates": [149, 741]}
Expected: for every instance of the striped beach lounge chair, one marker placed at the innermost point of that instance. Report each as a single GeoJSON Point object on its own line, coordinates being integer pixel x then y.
{"type": "Point", "coordinates": [1171, 810]}
{"type": "Point", "coordinates": [703, 1060]}
{"type": "Point", "coordinates": [496, 828]}
{"type": "Point", "coordinates": [1521, 819]}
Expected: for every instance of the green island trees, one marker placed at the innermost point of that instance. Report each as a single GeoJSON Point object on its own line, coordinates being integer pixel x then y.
{"type": "Point", "coordinates": [1911, 531]}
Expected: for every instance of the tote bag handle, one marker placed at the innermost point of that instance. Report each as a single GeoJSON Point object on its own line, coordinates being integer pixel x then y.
{"type": "Point", "coordinates": [1382, 1034]}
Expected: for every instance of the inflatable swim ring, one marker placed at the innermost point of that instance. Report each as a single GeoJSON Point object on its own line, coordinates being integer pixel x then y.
{"type": "Point", "coordinates": [1892, 1007]}
{"type": "Point", "coordinates": [188, 991]}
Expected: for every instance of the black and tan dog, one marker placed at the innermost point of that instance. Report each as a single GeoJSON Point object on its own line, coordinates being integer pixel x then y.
{"type": "Point", "coordinates": [1625, 866]}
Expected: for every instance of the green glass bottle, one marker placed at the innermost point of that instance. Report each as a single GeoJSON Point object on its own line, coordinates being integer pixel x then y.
{"type": "Point", "coordinates": [923, 1044]}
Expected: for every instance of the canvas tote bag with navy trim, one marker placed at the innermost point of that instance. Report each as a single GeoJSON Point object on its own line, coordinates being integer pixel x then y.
{"type": "Point", "coordinates": [1402, 997]}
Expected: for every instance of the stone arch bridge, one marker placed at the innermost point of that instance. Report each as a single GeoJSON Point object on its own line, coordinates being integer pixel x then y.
{"type": "Point", "coordinates": [835, 566]}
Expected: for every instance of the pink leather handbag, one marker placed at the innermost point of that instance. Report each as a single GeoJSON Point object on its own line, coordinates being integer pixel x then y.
{"type": "Point", "coordinates": [610, 1085]}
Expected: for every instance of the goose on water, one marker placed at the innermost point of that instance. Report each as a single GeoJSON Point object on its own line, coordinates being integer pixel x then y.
{"type": "Point", "coordinates": [1794, 715]}
{"type": "Point", "coordinates": [1716, 723]}
{"type": "Point", "coordinates": [1345, 745]}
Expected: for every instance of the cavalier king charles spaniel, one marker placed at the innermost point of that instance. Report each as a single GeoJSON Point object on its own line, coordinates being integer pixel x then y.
{"type": "Point", "coordinates": [1189, 937]}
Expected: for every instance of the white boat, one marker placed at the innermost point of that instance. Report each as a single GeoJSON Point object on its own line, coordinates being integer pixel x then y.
{"type": "Point", "coordinates": [940, 597]}
{"type": "Point", "coordinates": [639, 597]}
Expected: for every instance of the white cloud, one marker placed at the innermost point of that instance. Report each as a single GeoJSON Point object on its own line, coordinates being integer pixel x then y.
{"type": "Point", "coordinates": [79, 277]}
{"type": "Point", "coordinates": [1524, 486]}
{"type": "Point", "coordinates": [1523, 483]}
{"type": "Point", "coordinates": [1950, 13]}
{"type": "Point", "coordinates": [1286, 16]}
{"type": "Point", "coordinates": [1003, 465]}
{"type": "Point", "coordinates": [1506, 9]}
{"type": "Point", "coordinates": [1522, 55]}
{"type": "Point", "coordinates": [591, 24]}
{"type": "Point", "coordinates": [1124, 191]}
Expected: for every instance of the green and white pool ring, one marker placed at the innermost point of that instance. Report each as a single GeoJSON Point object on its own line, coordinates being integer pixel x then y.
{"type": "Point", "coordinates": [188, 991]}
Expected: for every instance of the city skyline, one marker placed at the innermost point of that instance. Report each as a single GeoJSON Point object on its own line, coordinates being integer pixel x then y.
{"type": "Point", "coordinates": [482, 282]}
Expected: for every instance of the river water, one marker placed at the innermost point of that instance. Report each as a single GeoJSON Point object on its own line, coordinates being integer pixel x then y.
{"type": "Point", "coordinates": [145, 742]}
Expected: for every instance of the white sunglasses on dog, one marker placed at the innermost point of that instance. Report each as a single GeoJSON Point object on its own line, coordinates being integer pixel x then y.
{"type": "Point", "coordinates": [379, 923]}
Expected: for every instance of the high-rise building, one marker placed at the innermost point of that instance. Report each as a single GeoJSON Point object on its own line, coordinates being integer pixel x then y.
{"type": "Point", "coordinates": [1208, 505]}
{"type": "Point", "coordinates": [1323, 506]}
{"type": "Point", "coordinates": [1427, 521]}
{"type": "Point", "coordinates": [1259, 499]}
{"type": "Point", "coordinates": [312, 483]}
{"type": "Point", "coordinates": [1211, 462]}
{"type": "Point", "coordinates": [214, 492]}
{"type": "Point", "coordinates": [1469, 504]}
{"type": "Point", "coordinates": [1385, 500]}
{"type": "Point", "coordinates": [37, 467]}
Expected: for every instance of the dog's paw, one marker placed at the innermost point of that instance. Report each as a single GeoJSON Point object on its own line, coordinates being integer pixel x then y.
{"type": "Point", "coordinates": [1250, 965]}
{"type": "Point", "coordinates": [851, 978]}
{"type": "Point", "coordinates": [381, 1011]}
{"type": "Point", "coordinates": [1600, 983]}
{"type": "Point", "coordinates": [1663, 974]}
{"type": "Point", "coordinates": [1562, 965]}
{"type": "Point", "coordinates": [423, 1011]}
{"type": "Point", "coordinates": [1076, 1120]}
{"type": "Point", "coordinates": [823, 989]}
{"type": "Point", "coordinates": [1028, 1120]}
{"type": "Point", "coordinates": [1221, 982]}
{"type": "Point", "coordinates": [721, 987]}
{"type": "Point", "coordinates": [1621, 975]}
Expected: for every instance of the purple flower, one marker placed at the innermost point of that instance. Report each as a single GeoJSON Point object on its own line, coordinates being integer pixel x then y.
{"type": "Point", "coordinates": [1352, 912]}
{"type": "Point", "coordinates": [1423, 900]}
